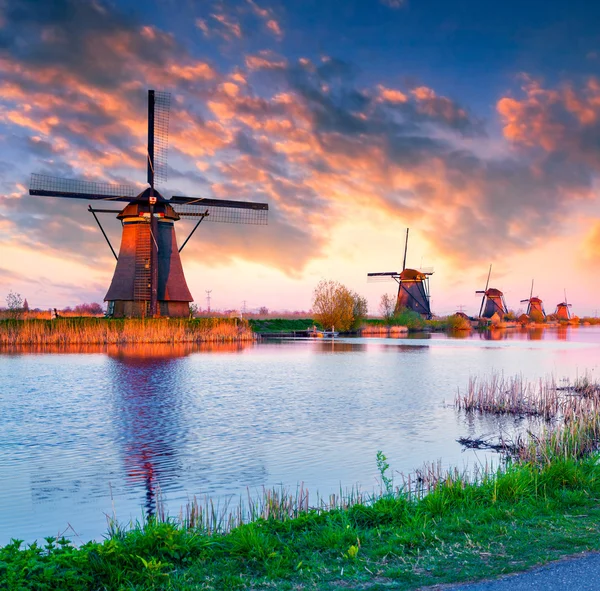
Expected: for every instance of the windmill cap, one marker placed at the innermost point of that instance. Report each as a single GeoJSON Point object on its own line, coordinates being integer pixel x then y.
{"type": "Point", "coordinates": [412, 275]}
{"type": "Point", "coordinates": [493, 292]}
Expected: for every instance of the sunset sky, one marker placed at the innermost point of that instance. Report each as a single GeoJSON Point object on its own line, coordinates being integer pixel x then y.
{"type": "Point", "coordinates": [476, 124]}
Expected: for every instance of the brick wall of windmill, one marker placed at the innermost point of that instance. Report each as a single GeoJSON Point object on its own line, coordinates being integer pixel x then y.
{"type": "Point", "coordinates": [130, 287]}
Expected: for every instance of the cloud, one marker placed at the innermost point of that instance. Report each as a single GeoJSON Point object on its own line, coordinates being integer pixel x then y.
{"type": "Point", "coordinates": [308, 137]}
{"type": "Point", "coordinates": [268, 18]}
{"type": "Point", "coordinates": [394, 4]}
{"type": "Point", "coordinates": [221, 25]}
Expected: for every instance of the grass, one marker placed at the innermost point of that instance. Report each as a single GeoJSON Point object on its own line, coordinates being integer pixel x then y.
{"type": "Point", "coordinates": [275, 325]}
{"type": "Point", "coordinates": [507, 521]}
{"type": "Point", "coordinates": [65, 331]}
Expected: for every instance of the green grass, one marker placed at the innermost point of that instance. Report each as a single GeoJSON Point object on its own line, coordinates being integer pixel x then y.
{"type": "Point", "coordinates": [509, 521]}
{"type": "Point", "coordinates": [268, 325]}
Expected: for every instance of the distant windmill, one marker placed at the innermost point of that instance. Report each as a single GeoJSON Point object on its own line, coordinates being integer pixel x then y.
{"type": "Point", "coordinates": [562, 310]}
{"type": "Point", "coordinates": [413, 286]}
{"type": "Point", "coordinates": [534, 304]}
{"type": "Point", "coordinates": [148, 278]}
{"type": "Point", "coordinates": [492, 301]}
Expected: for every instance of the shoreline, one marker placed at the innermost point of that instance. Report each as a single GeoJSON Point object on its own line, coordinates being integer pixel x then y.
{"type": "Point", "coordinates": [507, 521]}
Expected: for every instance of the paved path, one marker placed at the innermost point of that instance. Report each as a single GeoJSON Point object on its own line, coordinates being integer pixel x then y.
{"type": "Point", "coordinates": [570, 574]}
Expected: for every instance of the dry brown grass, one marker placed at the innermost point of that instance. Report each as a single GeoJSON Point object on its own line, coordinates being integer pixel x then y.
{"type": "Point", "coordinates": [101, 331]}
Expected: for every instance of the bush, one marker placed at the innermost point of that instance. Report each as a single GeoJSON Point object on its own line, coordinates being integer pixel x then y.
{"type": "Point", "coordinates": [457, 322]}
{"type": "Point", "coordinates": [409, 318]}
{"type": "Point", "coordinates": [536, 316]}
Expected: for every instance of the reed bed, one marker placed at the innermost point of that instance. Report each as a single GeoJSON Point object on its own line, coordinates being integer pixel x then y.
{"type": "Point", "coordinates": [511, 395]}
{"type": "Point", "coordinates": [102, 331]}
{"type": "Point", "coordinates": [382, 330]}
{"type": "Point", "coordinates": [572, 413]}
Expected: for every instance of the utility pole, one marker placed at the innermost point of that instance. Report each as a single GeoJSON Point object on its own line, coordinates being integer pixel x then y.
{"type": "Point", "coordinates": [208, 292]}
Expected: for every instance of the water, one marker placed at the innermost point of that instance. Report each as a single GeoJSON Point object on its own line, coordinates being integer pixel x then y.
{"type": "Point", "coordinates": [90, 432]}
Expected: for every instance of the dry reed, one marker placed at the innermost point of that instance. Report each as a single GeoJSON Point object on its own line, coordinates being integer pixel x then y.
{"type": "Point", "coordinates": [96, 331]}
{"type": "Point", "coordinates": [574, 410]}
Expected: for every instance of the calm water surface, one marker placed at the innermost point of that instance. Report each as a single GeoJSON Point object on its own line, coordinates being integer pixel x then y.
{"type": "Point", "coordinates": [89, 431]}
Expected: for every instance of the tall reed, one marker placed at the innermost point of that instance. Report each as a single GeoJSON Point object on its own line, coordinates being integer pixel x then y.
{"type": "Point", "coordinates": [62, 331]}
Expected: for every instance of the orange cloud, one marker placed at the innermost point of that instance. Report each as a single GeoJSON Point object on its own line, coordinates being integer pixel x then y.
{"type": "Point", "coordinates": [554, 120]}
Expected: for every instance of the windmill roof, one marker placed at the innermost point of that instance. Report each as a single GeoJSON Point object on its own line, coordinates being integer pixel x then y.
{"type": "Point", "coordinates": [491, 292]}
{"type": "Point", "coordinates": [412, 275]}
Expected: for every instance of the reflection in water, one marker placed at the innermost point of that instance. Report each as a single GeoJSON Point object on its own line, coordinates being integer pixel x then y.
{"type": "Point", "coordinates": [132, 350]}
{"type": "Point", "coordinates": [535, 334]}
{"type": "Point", "coordinates": [144, 382]}
{"type": "Point", "coordinates": [148, 409]}
{"type": "Point", "coordinates": [562, 332]}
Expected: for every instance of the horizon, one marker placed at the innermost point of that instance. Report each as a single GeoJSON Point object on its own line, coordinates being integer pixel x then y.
{"type": "Point", "coordinates": [476, 127]}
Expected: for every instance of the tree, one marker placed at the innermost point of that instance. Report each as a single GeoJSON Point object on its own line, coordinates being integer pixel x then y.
{"type": "Point", "coordinates": [14, 302]}
{"type": "Point", "coordinates": [25, 306]}
{"type": "Point", "coordinates": [387, 305]}
{"type": "Point", "coordinates": [333, 305]}
{"type": "Point", "coordinates": [263, 311]}
{"type": "Point", "coordinates": [360, 309]}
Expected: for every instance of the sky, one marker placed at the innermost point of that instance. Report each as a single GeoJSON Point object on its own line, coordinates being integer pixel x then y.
{"type": "Point", "coordinates": [474, 124]}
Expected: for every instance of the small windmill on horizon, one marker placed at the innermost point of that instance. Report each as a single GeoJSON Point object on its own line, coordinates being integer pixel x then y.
{"type": "Point", "coordinates": [148, 278]}
{"type": "Point", "coordinates": [413, 286]}
{"type": "Point", "coordinates": [562, 310]}
{"type": "Point", "coordinates": [492, 301]}
{"type": "Point", "coordinates": [534, 304]}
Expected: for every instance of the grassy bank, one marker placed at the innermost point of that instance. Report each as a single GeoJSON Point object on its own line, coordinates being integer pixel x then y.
{"type": "Point", "coordinates": [275, 325]}
{"type": "Point", "coordinates": [91, 331]}
{"type": "Point", "coordinates": [525, 515]}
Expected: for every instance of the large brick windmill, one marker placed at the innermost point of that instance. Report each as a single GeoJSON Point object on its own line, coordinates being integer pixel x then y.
{"type": "Point", "coordinates": [148, 278]}
{"type": "Point", "coordinates": [413, 286]}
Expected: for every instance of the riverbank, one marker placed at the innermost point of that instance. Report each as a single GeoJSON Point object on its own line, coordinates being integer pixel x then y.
{"type": "Point", "coordinates": [508, 521]}
{"type": "Point", "coordinates": [95, 331]}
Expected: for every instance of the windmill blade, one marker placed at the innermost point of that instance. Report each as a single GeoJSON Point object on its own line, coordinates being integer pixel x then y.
{"type": "Point", "coordinates": [382, 277]}
{"type": "Point", "coordinates": [159, 104]}
{"type": "Point", "coordinates": [222, 210]}
{"type": "Point", "coordinates": [487, 283]}
{"type": "Point", "coordinates": [50, 186]}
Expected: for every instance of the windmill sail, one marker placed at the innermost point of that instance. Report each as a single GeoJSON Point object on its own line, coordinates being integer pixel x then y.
{"type": "Point", "coordinates": [158, 136]}
{"type": "Point", "coordinates": [50, 186]}
{"type": "Point", "coordinates": [222, 210]}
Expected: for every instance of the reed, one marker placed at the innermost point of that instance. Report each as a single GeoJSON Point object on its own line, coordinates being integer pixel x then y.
{"type": "Point", "coordinates": [513, 395]}
{"type": "Point", "coordinates": [66, 331]}
{"type": "Point", "coordinates": [572, 412]}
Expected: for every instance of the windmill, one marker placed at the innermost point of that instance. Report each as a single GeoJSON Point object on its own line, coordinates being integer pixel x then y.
{"type": "Point", "coordinates": [413, 286]}
{"type": "Point", "coordinates": [534, 304]}
{"type": "Point", "coordinates": [148, 278]}
{"type": "Point", "coordinates": [562, 310]}
{"type": "Point", "coordinates": [492, 301]}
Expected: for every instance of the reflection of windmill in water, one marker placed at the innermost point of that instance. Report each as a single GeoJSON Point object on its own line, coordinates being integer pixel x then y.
{"type": "Point", "coordinates": [534, 305]}
{"type": "Point", "coordinates": [148, 415]}
{"type": "Point", "coordinates": [562, 310]}
{"type": "Point", "coordinates": [492, 301]}
{"type": "Point", "coordinates": [148, 278]}
{"type": "Point", "coordinates": [413, 286]}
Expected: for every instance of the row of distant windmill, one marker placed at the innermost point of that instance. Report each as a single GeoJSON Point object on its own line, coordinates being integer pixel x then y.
{"type": "Point", "coordinates": [413, 294]}
{"type": "Point", "coordinates": [148, 278]}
